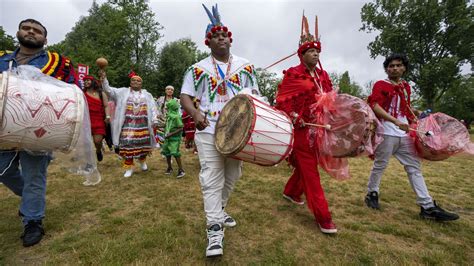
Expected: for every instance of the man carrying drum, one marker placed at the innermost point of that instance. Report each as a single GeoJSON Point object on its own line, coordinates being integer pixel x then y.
{"type": "Point", "coordinates": [22, 172]}
{"type": "Point", "coordinates": [390, 100]}
{"type": "Point", "coordinates": [214, 81]}
{"type": "Point", "coordinates": [298, 90]}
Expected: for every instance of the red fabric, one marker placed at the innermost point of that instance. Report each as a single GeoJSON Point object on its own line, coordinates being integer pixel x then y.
{"type": "Point", "coordinates": [383, 94]}
{"type": "Point", "coordinates": [97, 115]}
{"type": "Point", "coordinates": [189, 127]}
{"type": "Point", "coordinates": [305, 178]}
{"type": "Point", "coordinates": [298, 91]}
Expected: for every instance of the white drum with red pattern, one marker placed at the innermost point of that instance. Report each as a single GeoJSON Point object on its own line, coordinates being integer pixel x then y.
{"type": "Point", "coordinates": [253, 131]}
{"type": "Point", "coordinates": [39, 116]}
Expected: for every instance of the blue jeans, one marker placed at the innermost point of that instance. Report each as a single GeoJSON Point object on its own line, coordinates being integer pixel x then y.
{"type": "Point", "coordinates": [27, 181]}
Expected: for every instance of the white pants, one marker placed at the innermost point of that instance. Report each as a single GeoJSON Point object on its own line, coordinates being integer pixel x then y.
{"type": "Point", "coordinates": [217, 177]}
{"type": "Point", "coordinates": [403, 149]}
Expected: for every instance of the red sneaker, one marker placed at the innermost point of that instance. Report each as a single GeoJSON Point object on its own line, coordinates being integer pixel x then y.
{"type": "Point", "coordinates": [328, 227]}
{"type": "Point", "coordinates": [295, 200]}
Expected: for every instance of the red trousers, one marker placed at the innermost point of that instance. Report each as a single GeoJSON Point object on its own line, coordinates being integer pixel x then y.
{"type": "Point", "coordinates": [305, 178]}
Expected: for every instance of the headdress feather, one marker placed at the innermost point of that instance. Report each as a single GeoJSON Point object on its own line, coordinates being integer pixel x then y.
{"type": "Point", "coordinates": [209, 14]}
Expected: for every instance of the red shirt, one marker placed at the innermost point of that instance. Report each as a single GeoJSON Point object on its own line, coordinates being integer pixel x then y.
{"type": "Point", "coordinates": [384, 93]}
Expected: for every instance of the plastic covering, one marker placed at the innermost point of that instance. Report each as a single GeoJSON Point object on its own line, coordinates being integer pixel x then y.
{"type": "Point", "coordinates": [354, 131]}
{"type": "Point", "coordinates": [40, 114]}
{"type": "Point", "coordinates": [446, 137]}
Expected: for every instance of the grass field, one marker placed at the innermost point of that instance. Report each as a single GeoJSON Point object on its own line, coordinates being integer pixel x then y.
{"type": "Point", "coordinates": [152, 219]}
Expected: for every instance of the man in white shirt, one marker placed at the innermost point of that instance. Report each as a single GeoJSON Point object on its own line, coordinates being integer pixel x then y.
{"type": "Point", "coordinates": [213, 82]}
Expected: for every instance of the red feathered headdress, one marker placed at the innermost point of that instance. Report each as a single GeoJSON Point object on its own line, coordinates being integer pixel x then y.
{"type": "Point", "coordinates": [307, 40]}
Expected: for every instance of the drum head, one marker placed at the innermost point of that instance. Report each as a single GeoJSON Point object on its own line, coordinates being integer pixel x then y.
{"type": "Point", "coordinates": [233, 128]}
{"type": "Point", "coordinates": [349, 131]}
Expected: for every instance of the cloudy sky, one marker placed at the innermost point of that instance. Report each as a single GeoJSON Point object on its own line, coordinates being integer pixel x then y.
{"type": "Point", "coordinates": [264, 31]}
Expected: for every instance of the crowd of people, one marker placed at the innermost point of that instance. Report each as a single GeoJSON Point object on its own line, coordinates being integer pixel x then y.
{"type": "Point", "coordinates": [140, 123]}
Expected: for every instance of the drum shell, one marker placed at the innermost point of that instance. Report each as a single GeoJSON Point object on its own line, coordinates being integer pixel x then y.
{"type": "Point", "coordinates": [39, 116]}
{"type": "Point", "coordinates": [267, 141]}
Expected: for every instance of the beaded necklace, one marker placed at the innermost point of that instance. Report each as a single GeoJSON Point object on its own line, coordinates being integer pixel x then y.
{"type": "Point", "coordinates": [223, 83]}
{"type": "Point", "coordinates": [136, 101]}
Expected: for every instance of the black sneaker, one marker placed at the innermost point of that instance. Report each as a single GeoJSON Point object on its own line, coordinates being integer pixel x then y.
{"type": "Point", "coordinates": [100, 156]}
{"type": "Point", "coordinates": [215, 241]}
{"type": "Point", "coordinates": [372, 200]}
{"type": "Point", "coordinates": [169, 171]}
{"type": "Point", "coordinates": [437, 214]}
{"type": "Point", "coordinates": [181, 173]}
{"type": "Point", "coordinates": [33, 233]}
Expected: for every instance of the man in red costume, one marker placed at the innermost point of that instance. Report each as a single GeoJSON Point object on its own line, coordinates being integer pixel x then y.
{"type": "Point", "coordinates": [299, 89]}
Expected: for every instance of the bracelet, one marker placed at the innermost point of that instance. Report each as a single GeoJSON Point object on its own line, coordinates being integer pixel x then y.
{"type": "Point", "coordinates": [107, 116]}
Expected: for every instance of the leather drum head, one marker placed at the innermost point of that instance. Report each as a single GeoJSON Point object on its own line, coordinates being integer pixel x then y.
{"type": "Point", "coordinates": [234, 126]}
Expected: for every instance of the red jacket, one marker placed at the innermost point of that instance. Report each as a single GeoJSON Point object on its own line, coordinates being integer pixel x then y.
{"type": "Point", "coordinates": [384, 92]}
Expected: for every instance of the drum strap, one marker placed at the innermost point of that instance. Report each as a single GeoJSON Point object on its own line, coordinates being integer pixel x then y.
{"type": "Point", "coordinates": [9, 164]}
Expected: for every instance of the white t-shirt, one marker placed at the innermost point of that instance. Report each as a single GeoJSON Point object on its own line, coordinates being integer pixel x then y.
{"type": "Point", "coordinates": [202, 81]}
{"type": "Point", "coordinates": [390, 128]}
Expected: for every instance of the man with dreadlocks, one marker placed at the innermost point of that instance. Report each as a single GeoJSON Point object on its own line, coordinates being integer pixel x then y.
{"type": "Point", "coordinates": [214, 81]}
{"type": "Point", "coordinates": [299, 89]}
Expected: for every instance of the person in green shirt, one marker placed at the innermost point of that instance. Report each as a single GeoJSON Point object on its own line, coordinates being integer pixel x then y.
{"type": "Point", "coordinates": [173, 135]}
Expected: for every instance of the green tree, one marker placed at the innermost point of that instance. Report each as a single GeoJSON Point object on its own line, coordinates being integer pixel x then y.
{"type": "Point", "coordinates": [434, 35]}
{"type": "Point", "coordinates": [459, 101]}
{"type": "Point", "coordinates": [124, 32]}
{"type": "Point", "coordinates": [345, 84]}
{"type": "Point", "coordinates": [7, 42]}
{"type": "Point", "coordinates": [174, 59]}
{"type": "Point", "coordinates": [267, 84]}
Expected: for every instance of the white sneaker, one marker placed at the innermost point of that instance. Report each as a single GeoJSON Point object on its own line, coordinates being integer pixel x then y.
{"type": "Point", "coordinates": [128, 173]}
{"type": "Point", "coordinates": [228, 220]}
{"type": "Point", "coordinates": [144, 167]}
{"type": "Point", "coordinates": [215, 241]}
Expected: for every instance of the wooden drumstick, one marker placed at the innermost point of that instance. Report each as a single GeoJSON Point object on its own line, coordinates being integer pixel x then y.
{"type": "Point", "coordinates": [205, 115]}
{"type": "Point", "coordinates": [328, 127]}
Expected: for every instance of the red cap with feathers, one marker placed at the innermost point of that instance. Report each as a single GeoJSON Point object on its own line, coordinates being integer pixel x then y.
{"type": "Point", "coordinates": [307, 40]}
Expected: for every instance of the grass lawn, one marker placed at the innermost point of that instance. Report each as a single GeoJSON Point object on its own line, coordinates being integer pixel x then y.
{"type": "Point", "coordinates": [152, 218]}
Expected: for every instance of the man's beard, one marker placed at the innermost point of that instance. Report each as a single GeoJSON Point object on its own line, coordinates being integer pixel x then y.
{"type": "Point", "coordinates": [30, 43]}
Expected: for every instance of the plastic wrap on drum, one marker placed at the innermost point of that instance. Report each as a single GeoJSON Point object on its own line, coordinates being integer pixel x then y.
{"type": "Point", "coordinates": [40, 114]}
{"type": "Point", "coordinates": [446, 137]}
{"type": "Point", "coordinates": [354, 128]}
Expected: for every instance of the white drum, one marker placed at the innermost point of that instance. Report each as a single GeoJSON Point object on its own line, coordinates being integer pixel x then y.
{"type": "Point", "coordinates": [253, 131]}
{"type": "Point", "coordinates": [39, 116]}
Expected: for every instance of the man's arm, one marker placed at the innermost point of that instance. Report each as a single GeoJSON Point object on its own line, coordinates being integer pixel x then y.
{"type": "Point", "coordinates": [105, 85]}
{"type": "Point", "coordinates": [381, 113]}
{"type": "Point", "coordinates": [188, 105]}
